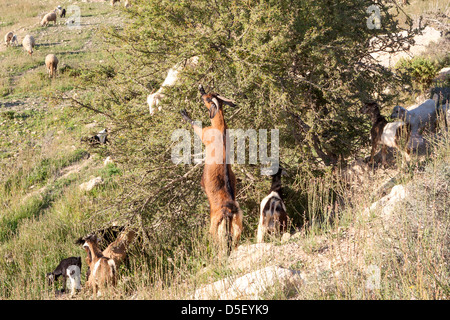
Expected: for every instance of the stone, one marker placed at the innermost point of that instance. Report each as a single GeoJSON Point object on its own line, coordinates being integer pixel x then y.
{"type": "Point", "coordinates": [91, 184]}
{"type": "Point", "coordinates": [253, 286]}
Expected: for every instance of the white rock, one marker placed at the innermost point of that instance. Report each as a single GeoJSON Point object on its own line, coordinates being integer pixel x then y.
{"type": "Point", "coordinates": [443, 73]}
{"type": "Point", "coordinates": [88, 186]}
{"type": "Point", "coordinates": [249, 255]}
{"type": "Point", "coordinates": [388, 202]}
{"type": "Point", "coordinates": [252, 285]}
{"type": "Point", "coordinates": [285, 237]}
{"type": "Point", "coordinates": [107, 161]}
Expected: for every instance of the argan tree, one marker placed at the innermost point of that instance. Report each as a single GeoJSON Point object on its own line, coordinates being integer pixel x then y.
{"type": "Point", "coordinates": [300, 66]}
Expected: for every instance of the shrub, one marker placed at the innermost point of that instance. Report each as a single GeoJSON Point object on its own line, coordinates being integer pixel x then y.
{"type": "Point", "coordinates": [420, 70]}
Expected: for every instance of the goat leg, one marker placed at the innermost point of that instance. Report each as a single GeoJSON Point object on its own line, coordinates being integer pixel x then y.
{"type": "Point", "coordinates": [64, 281]}
{"type": "Point", "coordinates": [372, 152]}
{"type": "Point", "coordinates": [383, 155]}
{"type": "Point", "coordinates": [198, 130]}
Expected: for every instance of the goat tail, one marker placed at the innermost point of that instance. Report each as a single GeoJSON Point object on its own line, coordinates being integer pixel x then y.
{"type": "Point", "coordinates": [230, 209]}
{"type": "Point", "coordinates": [112, 268]}
{"type": "Point", "coordinates": [228, 183]}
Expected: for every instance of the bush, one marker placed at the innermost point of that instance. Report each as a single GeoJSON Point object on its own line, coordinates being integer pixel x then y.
{"type": "Point", "coordinates": [296, 66]}
{"type": "Point", "coordinates": [420, 70]}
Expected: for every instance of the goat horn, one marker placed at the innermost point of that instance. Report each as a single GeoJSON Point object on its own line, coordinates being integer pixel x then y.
{"type": "Point", "coordinates": [227, 101]}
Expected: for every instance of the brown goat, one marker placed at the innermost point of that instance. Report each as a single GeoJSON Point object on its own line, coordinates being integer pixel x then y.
{"type": "Point", "coordinates": [119, 239]}
{"type": "Point", "coordinates": [218, 180]}
{"type": "Point", "coordinates": [103, 269]}
{"type": "Point", "coordinates": [117, 250]}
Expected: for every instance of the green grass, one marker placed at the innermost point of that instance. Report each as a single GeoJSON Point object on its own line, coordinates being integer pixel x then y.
{"type": "Point", "coordinates": [41, 211]}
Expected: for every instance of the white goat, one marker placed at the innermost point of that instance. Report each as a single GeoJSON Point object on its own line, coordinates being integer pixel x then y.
{"type": "Point", "coordinates": [154, 99]}
{"type": "Point", "coordinates": [418, 117]}
{"type": "Point", "coordinates": [51, 16]}
{"type": "Point", "coordinates": [51, 64]}
{"type": "Point", "coordinates": [8, 38]}
{"type": "Point", "coordinates": [73, 279]}
{"type": "Point", "coordinates": [28, 44]}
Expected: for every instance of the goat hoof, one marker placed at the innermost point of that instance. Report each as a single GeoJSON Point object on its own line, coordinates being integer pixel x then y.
{"type": "Point", "coordinates": [201, 89]}
{"type": "Point", "coordinates": [185, 115]}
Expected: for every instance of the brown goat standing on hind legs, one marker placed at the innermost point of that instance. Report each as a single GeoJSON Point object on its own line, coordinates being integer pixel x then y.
{"type": "Point", "coordinates": [388, 134]}
{"type": "Point", "coordinates": [218, 180]}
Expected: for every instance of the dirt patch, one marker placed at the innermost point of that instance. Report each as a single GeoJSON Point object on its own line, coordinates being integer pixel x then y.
{"type": "Point", "coordinates": [75, 168]}
{"type": "Point", "coordinates": [429, 35]}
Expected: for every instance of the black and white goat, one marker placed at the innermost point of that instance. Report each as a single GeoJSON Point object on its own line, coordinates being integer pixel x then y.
{"type": "Point", "coordinates": [273, 216]}
{"type": "Point", "coordinates": [386, 134]}
{"type": "Point", "coordinates": [100, 138]}
{"type": "Point", "coordinates": [69, 269]}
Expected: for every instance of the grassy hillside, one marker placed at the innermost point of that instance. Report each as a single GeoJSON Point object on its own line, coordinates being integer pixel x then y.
{"type": "Point", "coordinates": [42, 160]}
{"type": "Point", "coordinates": [43, 211]}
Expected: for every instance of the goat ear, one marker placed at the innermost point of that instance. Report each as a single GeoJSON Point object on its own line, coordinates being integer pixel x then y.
{"type": "Point", "coordinates": [226, 101]}
{"type": "Point", "coordinates": [212, 110]}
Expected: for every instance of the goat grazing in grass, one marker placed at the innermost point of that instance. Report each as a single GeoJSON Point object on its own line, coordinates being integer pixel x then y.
{"type": "Point", "coordinates": [8, 38]}
{"type": "Point", "coordinates": [218, 180]}
{"type": "Point", "coordinates": [51, 16]}
{"type": "Point", "coordinates": [51, 64]}
{"type": "Point", "coordinates": [28, 44]}
{"type": "Point", "coordinates": [116, 239]}
{"type": "Point", "coordinates": [273, 216]}
{"type": "Point", "coordinates": [102, 269]}
{"type": "Point", "coordinates": [384, 133]}
{"type": "Point", "coordinates": [69, 269]}
{"type": "Point", "coordinates": [14, 40]}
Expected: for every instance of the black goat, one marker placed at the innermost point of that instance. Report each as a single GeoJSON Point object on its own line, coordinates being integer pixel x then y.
{"type": "Point", "coordinates": [61, 270]}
